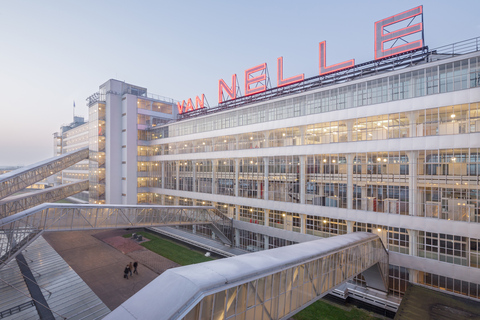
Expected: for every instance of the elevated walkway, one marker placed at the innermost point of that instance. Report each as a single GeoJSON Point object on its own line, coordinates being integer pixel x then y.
{"type": "Point", "coordinates": [15, 204]}
{"type": "Point", "coordinates": [19, 179]}
{"type": "Point", "coordinates": [271, 284]}
{"type": "Point", "coordinates": [17, 230]}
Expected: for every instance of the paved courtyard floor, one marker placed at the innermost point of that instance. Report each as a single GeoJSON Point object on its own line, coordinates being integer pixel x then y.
{"type": "Point", "coordinates": [99, 258]}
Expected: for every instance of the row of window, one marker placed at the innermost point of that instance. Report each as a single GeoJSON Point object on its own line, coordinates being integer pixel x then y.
{"type": "Point", "coordinates": [448, 77]}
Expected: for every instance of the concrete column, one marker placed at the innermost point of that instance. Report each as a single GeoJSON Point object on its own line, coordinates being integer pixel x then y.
{"type": "Point", "coordinates": [266, 214]}
{"type": "Point", "coordinates": [177, 180]}
{"type": "Point", "coordinates": [303, 130]}
{"type": "Point", "coordinates": [413, 275]}
{"type": "Point", "coordinates": [265, 179]}
{"type": "Point", "coordinates": [265, 136]}
{"type": "Point", "coordinates": [237, 238]}
{"type": "Point", "coordinates": [214, 178]}
{"type": "Point", "coordinates": [364, 197]}
{"type": "Point", "coordinates": [194, 178]}
{"type": "Point", "coordinates": [163, 175]}
{"type": "Point", "coordinates": [412, 243]}
{"type": "Point", "coordinates": [259, 183]}
{"type": "Point", "coordinates": [266, 242]}
{"type": "Point", "coordinates": [194, 229]}
{"type": "Point", "coordinates": [350, 124]}
{"type": "Point", "coordinates": [237, 212]}
{"type": "Point", "coordinates": [412, 183]}
{"type": "Point", "coordinates": [237, 171]}
{"type": "Point", "coordinates": [412, 120]}
{"type": "Point", "coordinates": [288, 224]}
{"type": "Point", "coordinates": [302, 178]}
{"type": "Point", "coordinates": [303, 223]}
{"type": "Point", "coordinates": [350, 225]}
{"type": "Point", "coordinates": [350, 181]}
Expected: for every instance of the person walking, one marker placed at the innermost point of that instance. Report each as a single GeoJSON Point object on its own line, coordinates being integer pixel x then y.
{"type": "Point", "coordinates": [125, 272]}
{"type": "Point", "coordinates": [130, 267]}
{"type": "Point", "coordinates": [135, 265]}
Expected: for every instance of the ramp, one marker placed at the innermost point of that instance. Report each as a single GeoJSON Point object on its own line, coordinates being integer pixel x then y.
{"type": "Point", "coordinates": [19, 179]}
{"type": "Point", "coordinates": [15, 204]}
{"type": "Point", "coordinates": [271, 284]}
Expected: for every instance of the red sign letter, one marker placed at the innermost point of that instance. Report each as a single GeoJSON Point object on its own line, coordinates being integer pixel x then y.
{"type": "Point", "coordinates": [189, 105]}
{"type": "Point", "coordinates": [381, 37]}
{"type": "Point", "coordinates": [199, 104]}
{"type": "Point", "coordinates": [180, 107]}
{"type": "Point", "coordinates": [249, 81]}
{"type": "Point", "coordinates": [283, 82]}
{"type": "Point", "coordinates": [232, 92]}
{"type": "Point", "coordinates": [336, 67]}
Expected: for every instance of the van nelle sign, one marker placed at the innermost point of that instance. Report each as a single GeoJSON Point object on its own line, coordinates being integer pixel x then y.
{"type": "Point", "coordinates": [256, 77]}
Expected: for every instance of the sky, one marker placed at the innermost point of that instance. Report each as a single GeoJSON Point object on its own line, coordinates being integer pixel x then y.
{"type": "Point", "coordinates": [53, 53]}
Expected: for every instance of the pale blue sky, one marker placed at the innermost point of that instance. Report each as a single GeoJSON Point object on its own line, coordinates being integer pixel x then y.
{"type": "Point", "coordinates": [55, 52]}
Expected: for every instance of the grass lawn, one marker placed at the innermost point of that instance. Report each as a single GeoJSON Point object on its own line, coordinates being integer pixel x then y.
{"type": "Point", "coordinates": [185, 256]}
{"type": "Point", "coordinates": [326, 311]}
{"type": "Point", "coordinates": [171, 250]}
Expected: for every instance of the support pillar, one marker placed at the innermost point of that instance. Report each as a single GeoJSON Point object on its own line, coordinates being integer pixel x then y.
{"type": "Point", "coordinates": [194, 177]}
{"type": "Point", "coordinates": [237, 238]}
{"type": "Point", "coordinates": [303, 223]}
{"type": "Point", "coordinates": [412, 242]}
{"type": "Point", "coordinates": [302, 178]}
{"type": "Point", "coordinates": [350, 129]}
{"type": "Point", "coordinates": [412, 124]}
{"type": "Point", "coordinates": [265, 179]}
{"type": "Point", "coordinates": [237, 212]}
{"type": "Point", "coordinates": [266, 242]}
{"type": "Point", "coordinates": [177, 176]}
{"type": "Point", "coordinates": [214, 174]}
{"type": "Point", "coordinates": [266, 214]}
{"type": "Point", "coordinates": [237, 170]}
{"type": "Point", "coordinates": [163, 174]}
{"type": "Point", "coordinates": [412, 183]}
{"type": "Point", "coordinates": [302, 135]}
{"type": "Point", "coordinates": [364, 197]}
{"type": "Point", "coordinates": [350, 225]}
{"type": "Point", "coordinates": [350, 181]}
{"type": "Point", "coordinates": [413, 275]}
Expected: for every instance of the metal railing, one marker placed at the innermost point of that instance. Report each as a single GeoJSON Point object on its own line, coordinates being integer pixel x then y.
{"type": "Point", "coordinates": [273, 284]}
{"type": "Point", "coordinates": [461, 47]}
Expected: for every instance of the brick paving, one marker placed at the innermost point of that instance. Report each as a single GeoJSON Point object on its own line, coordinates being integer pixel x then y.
{"type": "Point", "coordinates": [94, 256]}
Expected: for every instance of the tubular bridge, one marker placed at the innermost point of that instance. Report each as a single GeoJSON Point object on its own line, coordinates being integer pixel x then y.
{"type": "Point", "coordinates": [19, 179]}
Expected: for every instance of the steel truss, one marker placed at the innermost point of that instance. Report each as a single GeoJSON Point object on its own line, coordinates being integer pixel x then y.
{"type": "Point", "coordinates": [17, 230]}
{"type": "Point", "coordinates": [360, 70]}
{"type": "Point", "coordinates": [16, 204]}
{"type": "Point", "coordinates": [14, 181]}
{"type": "Point", "coordinates": [270, 284]}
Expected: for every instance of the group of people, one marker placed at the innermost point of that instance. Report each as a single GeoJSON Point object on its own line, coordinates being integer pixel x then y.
{"type": "Point", "coordinates": [128, 269]}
